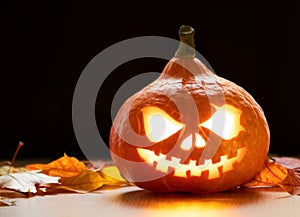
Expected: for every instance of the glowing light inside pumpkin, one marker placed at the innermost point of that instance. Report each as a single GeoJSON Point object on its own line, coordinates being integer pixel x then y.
{"type": "Point", "coordinates": [158, 124]}
{"type": "Point", "coordinates": [225, 122]}
{"type": "Point", "coordinates": [162, 164]}
{"type": "Point", "coordinates": [200, 142]}
{"type": "Point", "coordinates": [187, 144]}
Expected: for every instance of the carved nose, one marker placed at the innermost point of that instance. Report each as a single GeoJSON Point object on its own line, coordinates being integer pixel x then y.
{"type": "Point", "coordinates": [195, 139]}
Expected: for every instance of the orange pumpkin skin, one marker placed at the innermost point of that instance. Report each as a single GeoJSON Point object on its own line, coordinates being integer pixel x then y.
{"type": "Point", "coordinates": [244, 152]}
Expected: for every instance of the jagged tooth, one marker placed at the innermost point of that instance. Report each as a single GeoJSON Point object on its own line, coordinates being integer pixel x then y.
{"type": "Point", "coordinates": [224, 158]}
{"type": "Point", "coordinates": [162, 164]}
{"type": "Point", "coordinates": [192, 163]}
{"type": "Point", "coordinates": [194, 169]}
{"type": "Point", "coordinates": [206, 164]}
{"type": "Point", "coordinates": [175, 162]}
{"type": "Point", "coordinates": [181, 171]}
{"type": "Point", "coordinates": [227, 167]}
{"type": "Point", "coordinates": [226, 164]}
{"type": "Point", "coordinates": [213, 172]}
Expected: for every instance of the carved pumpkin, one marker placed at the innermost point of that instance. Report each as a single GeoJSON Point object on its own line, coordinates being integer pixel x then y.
{"type": "Point", "coordinates": [190, 130]}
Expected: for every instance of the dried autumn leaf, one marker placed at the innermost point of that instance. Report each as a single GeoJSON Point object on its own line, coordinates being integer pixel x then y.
{"type": "Point", "coordinates": [26, 181]}
{"type": "Point", "coordinates": [291, 183]}
{"type": "Point", "coordinates": [274, 174]}
{"type": "Point", "coordinates": [64, 167]}
{"type": "Point", "coordinates": [83, 182]}
{"type": "Point", "coordinates": [112, 175]}
{"type": "Point", "coordinates": [8, 193]}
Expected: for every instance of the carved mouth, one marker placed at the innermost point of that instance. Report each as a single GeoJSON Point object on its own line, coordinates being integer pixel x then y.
{"type": "Point", "coordinates": [162, 164]}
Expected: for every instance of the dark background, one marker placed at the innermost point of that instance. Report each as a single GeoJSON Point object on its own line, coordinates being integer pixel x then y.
{"type": "Point", "coordinates": [46, 45]}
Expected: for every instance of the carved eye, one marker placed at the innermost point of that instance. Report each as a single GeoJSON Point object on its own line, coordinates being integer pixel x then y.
{"type": "Point", "coordinates": [225, 122]}
{"type": "Point", "coordinates": [158, 124]}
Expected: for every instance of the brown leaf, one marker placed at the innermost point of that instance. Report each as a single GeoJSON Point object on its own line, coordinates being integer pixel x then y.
{"type": "Point", "coordinates": [63, 167]}
{"type": "Point", "coordinates": [291, 183]}
{"type": "Point", "coordinates": [9, 193]}
{"type": "Point", "coordinates": [274, 174]}
{"type": "Point", "coordinates": [83, 182]}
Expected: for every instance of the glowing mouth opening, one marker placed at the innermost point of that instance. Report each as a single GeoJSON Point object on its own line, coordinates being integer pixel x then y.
{"type": "Point", "coordinates": [190, 169]}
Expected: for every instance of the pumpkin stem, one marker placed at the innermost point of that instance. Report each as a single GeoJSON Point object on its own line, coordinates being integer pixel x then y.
{"type": "Point", "coordinates": [187, 46]}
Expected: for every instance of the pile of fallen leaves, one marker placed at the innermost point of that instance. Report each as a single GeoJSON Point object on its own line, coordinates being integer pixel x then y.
{"type": "Point", "coordinates": [66, 174]}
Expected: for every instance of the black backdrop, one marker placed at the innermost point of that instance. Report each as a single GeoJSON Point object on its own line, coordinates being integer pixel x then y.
{"type": "Point", "coordinates": [46, 45]}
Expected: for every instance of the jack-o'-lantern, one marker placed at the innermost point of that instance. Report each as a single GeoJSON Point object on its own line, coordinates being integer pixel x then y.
{"type": "Point", "coordinates": [189, 130]}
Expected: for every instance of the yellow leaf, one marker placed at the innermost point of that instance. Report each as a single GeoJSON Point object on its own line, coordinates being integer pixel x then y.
{"type": "Point", "coordinates": [112, 175]}
{"type": "Point", "coordinates": [64, 167]}
{"type": "Point", "coordinates": [85, 181]}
